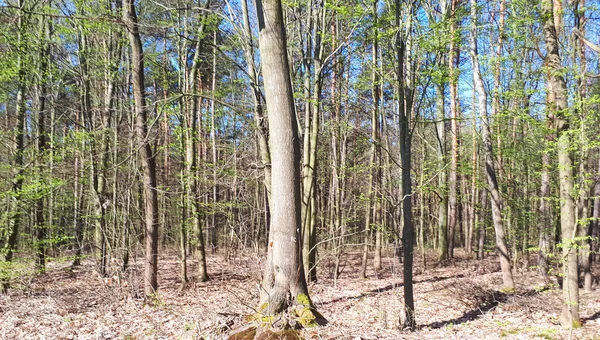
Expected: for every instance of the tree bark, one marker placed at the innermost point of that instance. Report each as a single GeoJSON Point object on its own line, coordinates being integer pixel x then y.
{"type": "Point", "coordinates": [405, 104]}
{"type": "Point", "coordinates": [147, 157]}
{"type": "Point", "coordinates": [284, 273]}
{"type": "Point", "coordinates": [18, 155]}
{"type": "Point", "coordinates": [373, 185]}
{"type": "Point", "coordinates": [442, 176]}
{"type": "Point", "coordinates": [557, 114]}
{"type": "Point", "coordinates": [496, 198]}
{"type": "Point", "coordinates": [262, 129]}
{"type": "Point", "coordinates": [453, 57]}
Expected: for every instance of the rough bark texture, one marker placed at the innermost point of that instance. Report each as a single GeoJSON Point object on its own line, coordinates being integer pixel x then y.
{"type": "Point", "coordinates": [147, 157]}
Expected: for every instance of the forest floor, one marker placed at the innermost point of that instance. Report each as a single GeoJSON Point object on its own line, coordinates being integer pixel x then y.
{"type": "Point", "coordinates": [461, 300]}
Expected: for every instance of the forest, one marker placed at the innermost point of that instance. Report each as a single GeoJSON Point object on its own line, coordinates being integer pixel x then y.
{"type": "Point", "coordinates": [299, 169]}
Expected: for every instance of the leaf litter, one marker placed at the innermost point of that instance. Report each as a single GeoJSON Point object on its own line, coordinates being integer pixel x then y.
{"type": "Point", "coordinates": [460, 300]}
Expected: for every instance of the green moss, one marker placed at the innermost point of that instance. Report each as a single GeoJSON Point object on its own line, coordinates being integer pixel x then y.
{"type": "Point", "coordinates": [506, 332]}
{"type": "Point", "coordinates": [303, 299]}
{"type": "Point", "coordinates": [263, 307]}
{"type": "Point", "coordinates": [508, 290]}
{"type": "Point", "coordinates": [306, 317]}
{"type": "Point", "coordinates": [260, 318]}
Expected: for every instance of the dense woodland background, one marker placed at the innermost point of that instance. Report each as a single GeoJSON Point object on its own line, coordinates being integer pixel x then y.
{"type": "Point", "coordinates": [135, 130]}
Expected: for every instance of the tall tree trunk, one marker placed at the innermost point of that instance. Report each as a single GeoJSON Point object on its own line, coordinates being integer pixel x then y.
{"type": "Point", "coordinates": [496, 198]}
{"type": "Point", "coordinates": [41, 226]}
{"type": "Point", "coordinates": [558, 115]}
{"type": "Point", "coordinates": [481, 239]}
{"type": "Point", "coordinates": [284, 273]}
{"type": "Point", "coordinates": [214, 217]}
{"type": "Point", "coordinates": [474, 211]}
{"type": "Point", "coordinates": [545, 220]}
{"type": "Point", "coordinates": [595, 221]}
{"type": "Point", "coordinates": [372, 190]}
{"type": "Point", "coordinates": [405, 104]}
{"type": "Point", "coordinates": [18, 155]}
{"type": "Point", "coordinates": [147, 157]}
{"type": "Point", "coordinates": [440, 127]}
{"type": "Point", "coordinates": [583, 177]}
{"type": "Point", "coordinates": [262, 130]}
{"type": "Point", "coordinates": [192, 158]}
{"type": "Point", "coordinates": [497, 84]}
{"type": "Point", "coordinates": [453, 57]}
{"type": "Point", "coordinates": [312, 91]}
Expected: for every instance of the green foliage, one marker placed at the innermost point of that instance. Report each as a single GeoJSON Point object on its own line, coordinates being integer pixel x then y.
{"type": "Point", "coordinates": [17, 272]}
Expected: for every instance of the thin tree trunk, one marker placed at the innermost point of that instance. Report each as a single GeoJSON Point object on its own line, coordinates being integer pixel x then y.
{"type": "Point", "coordinates": [147, 156]}
{"type": "Point", "coordinates": [453, 57]}
{"type": "Point", "coordinates": [405, 104]}
{"type": "Point", "coordinates": [584, 184]}
{"type": "Point", "coordinates": [314, 54]}
{"type": "Point", "coordinates": [442, 176]}
{"type": "Point", "coordinates": [259, 118]}
{"type": "Point", "coordinates": [496, 198]}
{"type": "Point", "coordinates": [545, 220]}
{"type": "Point", "coordinates": [18, 155]}
{"type": "Point", "coordinates": [41, 227]}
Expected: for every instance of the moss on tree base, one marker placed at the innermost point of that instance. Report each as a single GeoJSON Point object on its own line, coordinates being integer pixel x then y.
{"type": "Point", "coordinates": [283, 325]}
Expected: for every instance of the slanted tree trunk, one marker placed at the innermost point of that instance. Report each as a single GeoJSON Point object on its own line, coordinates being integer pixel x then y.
{"type": "Point", "coordinates": [558, 116]}
{"type": "Point", "coordinates": [147, 156]}
{"type": "Point", "coordinates": [496, 199]}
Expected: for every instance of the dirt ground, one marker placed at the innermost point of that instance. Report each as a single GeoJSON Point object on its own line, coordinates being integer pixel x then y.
{"type": "Point", "coordinates": [461, 300]}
